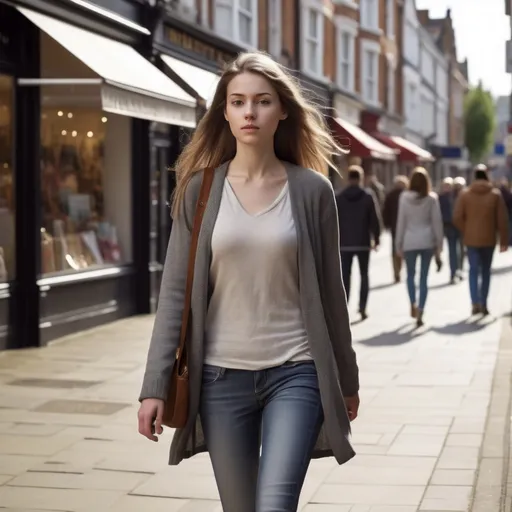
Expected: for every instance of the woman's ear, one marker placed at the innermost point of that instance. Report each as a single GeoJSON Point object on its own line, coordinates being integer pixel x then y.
{"type": "Point", "coordinates": [284, 115]}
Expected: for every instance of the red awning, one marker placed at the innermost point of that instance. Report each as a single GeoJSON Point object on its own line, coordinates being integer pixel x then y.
{"type": "Point", "coordinates": [360, 143]}
{"type": "Point", "coordinates": [409, 152]}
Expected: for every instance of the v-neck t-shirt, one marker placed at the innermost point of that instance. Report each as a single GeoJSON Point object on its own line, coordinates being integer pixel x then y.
{"type": "Point", "coordinates": [254, 318]}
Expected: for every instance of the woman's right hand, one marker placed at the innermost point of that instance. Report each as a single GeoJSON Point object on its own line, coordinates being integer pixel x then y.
{"type": "Point", "coordinates": [150, 416]}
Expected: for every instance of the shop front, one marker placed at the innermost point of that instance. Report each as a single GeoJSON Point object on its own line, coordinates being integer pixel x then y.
{"type": "Point", "coordinates": [78, 114]}
{"type": "Point", "coordinates": [409, 154]}
{"type": "Point", "coordinates": [364, 150]}
{"type": "Point", "coordinates": [452, 161]}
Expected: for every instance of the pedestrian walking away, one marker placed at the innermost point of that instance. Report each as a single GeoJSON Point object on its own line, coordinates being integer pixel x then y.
{"type": "Point", "coordinates": [359, 222]}
{"type": "Point", "coordinates": [273, 377]}
{"type": "Point", "coordinates": [419, 235]}
{"type": "Point", "coordinates": [481, 217]}
{"type": "Point", "coordinates": [447, 202]}
{"type": "Point", "coordinates": [390, 218]}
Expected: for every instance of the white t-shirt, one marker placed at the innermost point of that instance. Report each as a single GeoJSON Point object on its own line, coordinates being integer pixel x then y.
{"type": "Point", "coordinates": [254, 318]}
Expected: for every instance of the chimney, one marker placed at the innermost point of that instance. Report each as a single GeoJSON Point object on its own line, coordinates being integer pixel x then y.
{"type": "Point", "coordinates": [423, 16]}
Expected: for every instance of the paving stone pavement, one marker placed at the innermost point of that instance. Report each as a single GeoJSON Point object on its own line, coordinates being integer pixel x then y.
{"type": "Point", "coordinates": [69, 442]}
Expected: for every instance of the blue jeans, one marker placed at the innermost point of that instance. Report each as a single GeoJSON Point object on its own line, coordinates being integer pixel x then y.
{"type": "Point", "coordinates": [363, 258]}
{"type": "Point", "coordinates": [279, 410]}
{"type": "Point", "coordinates": [480, 261]}
{"type": "Point", "coordinates": [454, 249]}
{"type": "Point", "coordinates": [425, 256]}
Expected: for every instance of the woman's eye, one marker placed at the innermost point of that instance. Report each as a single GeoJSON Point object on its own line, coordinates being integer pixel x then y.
{"type": "Point", "coordinates": [265, 102]}
{"type": "Point", "coordinates": [236, 103]}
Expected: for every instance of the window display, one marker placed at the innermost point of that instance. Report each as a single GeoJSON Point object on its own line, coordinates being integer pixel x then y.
{"type": "Point", "coordinates": [85, 187]}
{"type": "Point", "coordinates": [7, 208]}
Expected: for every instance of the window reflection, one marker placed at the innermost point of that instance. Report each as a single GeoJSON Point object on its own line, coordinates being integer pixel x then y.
{"type": "Point", "coordinates": [7, 209]}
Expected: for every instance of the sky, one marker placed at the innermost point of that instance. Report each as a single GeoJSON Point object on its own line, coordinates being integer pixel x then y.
{"type": "Point", "coordinates": [481, 29]}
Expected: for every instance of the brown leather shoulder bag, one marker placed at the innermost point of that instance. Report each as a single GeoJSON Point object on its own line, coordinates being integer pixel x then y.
{"type": "Point", "coordinates": [176, 408]}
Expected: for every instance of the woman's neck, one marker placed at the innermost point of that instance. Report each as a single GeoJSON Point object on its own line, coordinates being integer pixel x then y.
{"type": "Point", "coordinates": [252, 163]}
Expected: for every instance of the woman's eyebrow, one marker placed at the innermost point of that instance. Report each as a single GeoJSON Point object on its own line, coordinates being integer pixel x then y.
{"type": "Point", "coordinates": [243, 95]}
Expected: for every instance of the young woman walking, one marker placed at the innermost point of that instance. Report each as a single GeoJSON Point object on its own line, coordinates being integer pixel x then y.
{"type": "Point", "coordinates": [419, 234]}
{"type": "Point", "coordinates": [271, 360]}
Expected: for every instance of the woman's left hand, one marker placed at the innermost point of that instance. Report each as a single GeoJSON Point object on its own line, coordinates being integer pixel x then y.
{"type": "Point", "coordinates": [352, 404]}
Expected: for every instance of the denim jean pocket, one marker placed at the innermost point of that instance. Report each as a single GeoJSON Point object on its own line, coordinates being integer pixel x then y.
{"type": "Point", "coordinates": [211, 374]}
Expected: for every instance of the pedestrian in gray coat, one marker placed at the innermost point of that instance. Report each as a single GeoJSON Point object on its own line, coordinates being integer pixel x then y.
{"type": "Point", "coordinates": [419, 235]}
{"type": "Point", "coordinates": [272, 369]}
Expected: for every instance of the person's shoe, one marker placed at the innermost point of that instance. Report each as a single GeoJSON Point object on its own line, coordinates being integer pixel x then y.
{"type": "Point", "coordinates": [439, 264]}
{"type": "Point", "coordinates": [363, 314]}
{"type": "Point", "coordinates": [452, 280]}
{"type": "Point", "coordinates": [397, 279]}
{"type": "Point", "coordinates": [419, 319]}
{"type": "Point", "coordinates": [484, 311]}
{"type": "Point", "coordinates": [476, 309]}
{"type": "Point", "coordinates": [414, 311]}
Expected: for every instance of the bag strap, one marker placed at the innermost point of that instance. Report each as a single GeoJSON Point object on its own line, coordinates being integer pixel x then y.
{"type": "Point", "coordinates": [204, 194]}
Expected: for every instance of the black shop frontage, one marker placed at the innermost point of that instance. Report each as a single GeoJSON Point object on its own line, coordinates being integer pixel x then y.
{"type": "Point", "coordinates": [91, 117]}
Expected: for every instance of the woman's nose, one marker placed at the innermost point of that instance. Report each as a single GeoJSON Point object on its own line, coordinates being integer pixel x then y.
{"type": "Point", "coordinates": [249, 113]}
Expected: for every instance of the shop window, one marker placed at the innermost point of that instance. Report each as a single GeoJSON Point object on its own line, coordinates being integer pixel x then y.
{"type": "Point", "coordinates": [86, 183]}
{"type": "Point", "coordinates": [7, 207]}
{"type": "Point", "coordinates": [86, 220]}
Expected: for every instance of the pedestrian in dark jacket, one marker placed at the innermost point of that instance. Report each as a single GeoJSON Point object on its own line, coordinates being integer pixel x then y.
{"type": "Point", "coordinates": [390, 217]}
{"type": "Point", "coordinates": [359, 222]}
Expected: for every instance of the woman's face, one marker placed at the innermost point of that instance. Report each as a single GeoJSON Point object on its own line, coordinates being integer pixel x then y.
{"type": "Point", "coordinates": [253, 109]}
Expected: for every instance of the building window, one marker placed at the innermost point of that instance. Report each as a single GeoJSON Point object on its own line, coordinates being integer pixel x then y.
{"type": "Point", "coordinates": [369, 14]}
{"type": "Point", "coordinates": [313, 25]}
{"type": "Point", "coordinates": [390, 18]}
{"type": "Point", "coordinates": [7, 208]}
{"type": "Point", "coordinates": [346, 60]}
{"type": "Point", "coordinates": [391, 88]}
{"type": "Point", "coordinates": [86, 191]}
{"type": "Point", "coordinates": [237, 19]}
{"type": "Point", "coordinates": [370, 72]}
{"type": "Point", "coordinates": [274, 28]}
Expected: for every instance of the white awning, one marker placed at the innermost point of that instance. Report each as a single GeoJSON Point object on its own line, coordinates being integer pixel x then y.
{"type": "Point", "coordinates": [132, 86]}
{"type": "Point", "coordinates": [202, 81]}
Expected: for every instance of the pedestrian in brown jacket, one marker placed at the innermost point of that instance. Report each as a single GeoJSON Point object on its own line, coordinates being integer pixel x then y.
{"type": "Point", "coordinates": [481, 215]}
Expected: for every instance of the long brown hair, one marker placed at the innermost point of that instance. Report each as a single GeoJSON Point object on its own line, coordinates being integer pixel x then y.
{"type": "Point", "coordinates": [302, 138]}
{"type": "Point", "coordinates": [420, 182]}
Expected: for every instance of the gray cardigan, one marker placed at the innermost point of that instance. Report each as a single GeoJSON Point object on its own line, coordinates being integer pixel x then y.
{"type": "Point", "coordinates": [323, 301]}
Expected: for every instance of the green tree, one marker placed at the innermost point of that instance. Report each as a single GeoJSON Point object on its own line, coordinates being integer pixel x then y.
{"type": "Point", "coordinates": [480, 122]}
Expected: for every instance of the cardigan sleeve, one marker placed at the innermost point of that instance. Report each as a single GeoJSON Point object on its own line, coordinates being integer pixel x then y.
{"type": "Point", "coordinates": [167, 326]}
{"type": "Point", "coordinates": [335, 300]}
